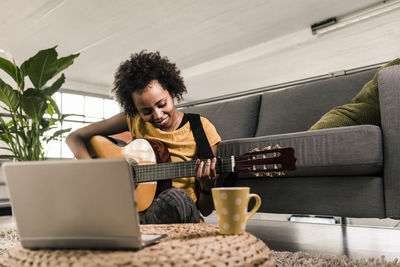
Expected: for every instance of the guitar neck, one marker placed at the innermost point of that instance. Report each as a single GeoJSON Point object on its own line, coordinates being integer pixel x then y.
{"type": "Point", "coordinates": [268, 161]}
{"type": "Point", "coordinates": [165, 171]}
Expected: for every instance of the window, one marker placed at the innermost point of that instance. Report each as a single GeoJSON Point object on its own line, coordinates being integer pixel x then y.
{"type": "Point", "coordinates": [84, 109]}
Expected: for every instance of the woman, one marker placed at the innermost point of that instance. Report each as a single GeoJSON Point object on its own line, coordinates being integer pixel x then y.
{"type": "Point", "coordinates": [145, 86]}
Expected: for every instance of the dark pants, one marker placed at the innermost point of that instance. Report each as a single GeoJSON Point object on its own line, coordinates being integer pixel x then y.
{"type": "Point", "coordinates": [172, 206]}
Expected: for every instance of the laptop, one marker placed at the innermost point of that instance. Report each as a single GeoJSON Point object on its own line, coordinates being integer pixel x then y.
{"type": "Point", "coordinates": [82, 204]}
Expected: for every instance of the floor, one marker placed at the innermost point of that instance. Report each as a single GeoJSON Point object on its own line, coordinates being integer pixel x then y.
{"type": "Point", "coordinates": [333, 239]}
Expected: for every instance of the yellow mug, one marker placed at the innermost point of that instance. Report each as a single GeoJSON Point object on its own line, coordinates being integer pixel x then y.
{"type": "Point", "coordinates": [231, 205]}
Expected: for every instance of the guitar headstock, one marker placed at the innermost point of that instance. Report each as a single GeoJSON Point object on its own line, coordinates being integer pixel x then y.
{"type": "Point", "coordinates": [270, 161]}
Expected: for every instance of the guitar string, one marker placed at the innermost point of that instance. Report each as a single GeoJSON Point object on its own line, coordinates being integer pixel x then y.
{"type": "Point", "coordinates": [171, 170]}
{"type": "Point", "coordinates": [147, 172]}
{"type": "Point", "coordinates": [178, 166]}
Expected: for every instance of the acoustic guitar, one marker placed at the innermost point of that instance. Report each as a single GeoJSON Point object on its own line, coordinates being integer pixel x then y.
{"type": "Point", "coordinates": [151, 162]}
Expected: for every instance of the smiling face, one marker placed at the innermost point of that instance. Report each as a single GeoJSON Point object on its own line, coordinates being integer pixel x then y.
{"type": "Point", "coordinates": [156, 106]}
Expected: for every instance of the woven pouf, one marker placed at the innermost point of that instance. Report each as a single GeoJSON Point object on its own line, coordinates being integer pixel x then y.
{"type": "Point", "coordinates": [185, 245]}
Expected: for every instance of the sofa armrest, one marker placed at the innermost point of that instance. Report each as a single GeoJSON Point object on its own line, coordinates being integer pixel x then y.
{"type": "Point", "coordinates": [389, 100]}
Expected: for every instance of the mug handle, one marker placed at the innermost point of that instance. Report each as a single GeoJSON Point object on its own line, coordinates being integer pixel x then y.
{"type": "Point", "coordinates": [256, 206]}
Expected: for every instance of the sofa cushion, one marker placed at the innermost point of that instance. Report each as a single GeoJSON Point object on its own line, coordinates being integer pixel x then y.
{"type": "Point", "coordinates": [298, 108]}
{"type": "Point", "coordinates": [232, 119]}
{"type": "Point", "coordinates": [353, 150]}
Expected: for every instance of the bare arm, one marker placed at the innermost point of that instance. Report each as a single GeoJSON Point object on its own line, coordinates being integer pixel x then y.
{"type": "Point", "coordinates": [76, 140]}
{"type": "Point", "coordinates": [207, 180]}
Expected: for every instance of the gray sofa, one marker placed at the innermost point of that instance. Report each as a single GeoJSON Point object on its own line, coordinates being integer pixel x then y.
{"type": "Point", "coordinates": [348, 171]}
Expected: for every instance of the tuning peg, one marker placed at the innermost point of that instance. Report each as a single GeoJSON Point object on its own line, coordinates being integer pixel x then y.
{"type": "Point", "coordinates": [281, 173]}
{"type": "Point", "coordinates": [271, 174]}
{"type": "Point", "coordinates": [271, 147]}
{"type": "Point", "coordinates": [253, 157]}
{"type": "Point", "coordinates": [267, 148]}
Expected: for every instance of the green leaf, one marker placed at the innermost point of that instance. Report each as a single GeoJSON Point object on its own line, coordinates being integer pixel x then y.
{"type": "Point", "coordinates": [5, 138]}
{"type": "Point", "coordinates": [34, 103]}
{"type": "Point", "coordinates": [44, 66]}
{"type": "Point", "coordinates": [58, 133]}
{"type": "Point", "coordinates": [41, 67]}
{"type": "Point", "coordinates": [6, 127]}
{"type": "Point", "coordinates": [8, 95]}
{"type": "Point", "coordinates": [50, 111]}
{"type": "Point", "coordinates": [11, 69]}
{"type": "Point", "coordinates": [49, 91]}
{"type": "Point", "coordinates": [64, 116]}
{"type": "Point", "coordinates": [65, 62]}
{"type": "Point", "coordinates": [54, 106]}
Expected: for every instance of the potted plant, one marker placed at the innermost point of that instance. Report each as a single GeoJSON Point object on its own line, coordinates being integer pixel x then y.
{"type": "Point", "coordinates": [32, 111]}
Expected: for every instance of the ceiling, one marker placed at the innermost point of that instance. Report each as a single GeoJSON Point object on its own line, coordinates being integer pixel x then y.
{"type": "Point", "coordinates": [222, 47]}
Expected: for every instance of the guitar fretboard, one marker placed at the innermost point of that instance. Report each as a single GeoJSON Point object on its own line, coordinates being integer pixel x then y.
{"type": "Point", "coordinates": [165, 171]}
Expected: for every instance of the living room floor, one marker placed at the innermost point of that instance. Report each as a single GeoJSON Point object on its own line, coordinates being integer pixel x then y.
{"type": "Point", "coordinates": [354, 241]}
{"type": "Point", "coordinates": [321, 238]}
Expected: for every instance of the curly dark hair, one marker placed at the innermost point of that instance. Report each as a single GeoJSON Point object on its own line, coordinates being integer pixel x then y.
{"type": "Point", "coordinates": [138, 71]}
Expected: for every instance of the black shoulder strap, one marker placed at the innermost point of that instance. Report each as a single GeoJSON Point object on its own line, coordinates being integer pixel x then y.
{"type": "Point", "coordinates": [203, 146]}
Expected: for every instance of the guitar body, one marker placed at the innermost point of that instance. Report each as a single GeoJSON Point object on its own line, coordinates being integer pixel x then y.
{"type": "Point", "coordinates": [143, 152]}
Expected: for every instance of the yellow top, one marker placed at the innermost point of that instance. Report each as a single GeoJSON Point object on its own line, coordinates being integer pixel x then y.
{"type": "Point", "coordinates": [180, 143]}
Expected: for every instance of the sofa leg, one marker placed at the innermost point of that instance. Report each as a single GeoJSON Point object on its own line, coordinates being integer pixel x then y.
{"type": "Point", "coordinates": [344, 220]}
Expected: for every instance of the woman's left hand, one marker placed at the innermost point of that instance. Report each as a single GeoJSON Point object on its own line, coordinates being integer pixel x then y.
{"type": "Point", "coordinates": [206, 174]}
